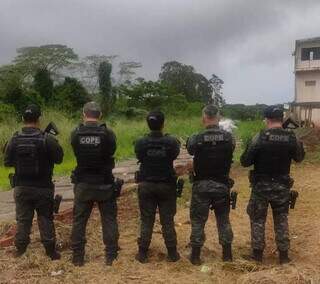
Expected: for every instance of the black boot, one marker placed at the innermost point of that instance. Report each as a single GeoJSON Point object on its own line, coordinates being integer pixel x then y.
{"type": "Point", "coordinates": [52, 252]}
{"type": "Point", "coordinates": [110, 258]}
{"type": "Point", "coordinates": [173, 254]}
{"type": "Point", "coordinates": [227, 252]}
{"type": "Point", "coordinates": [195, 256]}
{"type": "Point", "coordinates": [142, 255]}
{"type": "Point", "coordinates": [283, 257]}
{"type": "Point", "coordinates": [19, 251]}
{"type": "Point", "coordinates": [257, 255]}
{"type": "Point", "coordinates": [78, 258]}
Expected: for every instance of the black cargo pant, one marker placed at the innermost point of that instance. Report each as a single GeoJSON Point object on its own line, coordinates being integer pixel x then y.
{"type": "Point", "coordinates": [152, 196]}
{"type": "Point", "coordinates": [278, 196]}
{"type": "Point", "coordinates": [30, 199]}
{"type": "Point", "coordinates": [81, 213]}
{"type": "Point", "coordinates": [208, 194]}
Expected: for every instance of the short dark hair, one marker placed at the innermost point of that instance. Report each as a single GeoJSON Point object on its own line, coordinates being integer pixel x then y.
{"type": "Point", "coordinates": [31, 113]}
{"type": "Point", "coordinates": [155, 120]}
{"type": "Point", "coordinates": [211, 111]}
{"type": "Point", "coordinates": [92, 110]}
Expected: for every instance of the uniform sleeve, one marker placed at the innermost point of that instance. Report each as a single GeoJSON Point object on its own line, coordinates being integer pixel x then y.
{"type": "Point", "coordinates": [191, 144]}
{"type": "Point", "coordinates": [248, 156]}
{"type": "Point", "coordinates": [9, 154]}
{"type": "Point", "coordinates": [54, 149]}
{"type": "Point", "coordinates": [298, 152]}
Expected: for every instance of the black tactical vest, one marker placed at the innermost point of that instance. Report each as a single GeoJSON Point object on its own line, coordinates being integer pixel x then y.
{"type": "Point", "coordinates": [32, 166]}
{"type": "Point", "coordinates": [156, 162]}
{"type": "Point", "coordinates": [213, 155]}
{"type": "Point", "coordinates": [274, 155]}
{"type": "Point", "coordinates": [93, 166]}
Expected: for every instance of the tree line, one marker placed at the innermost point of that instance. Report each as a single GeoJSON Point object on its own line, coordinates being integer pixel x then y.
{"type": "Point", "coordinates": [55, 76]}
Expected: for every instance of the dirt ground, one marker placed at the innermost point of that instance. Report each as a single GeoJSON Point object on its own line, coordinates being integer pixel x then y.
{"type": "Point", "coordinates": [34, 267]}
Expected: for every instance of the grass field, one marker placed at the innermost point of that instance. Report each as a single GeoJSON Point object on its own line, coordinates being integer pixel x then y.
{"type": "Point", "coordinates": [127, 131]}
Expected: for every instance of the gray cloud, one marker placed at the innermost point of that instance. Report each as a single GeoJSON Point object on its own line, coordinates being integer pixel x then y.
{"type": "Point", "coordinates": [246, 42]}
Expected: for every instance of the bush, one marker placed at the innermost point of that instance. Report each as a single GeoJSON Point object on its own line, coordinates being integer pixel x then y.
{"type": "Point", "coordinates": [7, 112]}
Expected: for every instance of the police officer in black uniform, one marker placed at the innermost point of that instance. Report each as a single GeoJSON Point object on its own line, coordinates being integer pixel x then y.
{"type": "Point", "coordinates": [212, 151]}
{"type": "Point", "coordinates": [33, 154]}
{"type": "Point", "coordinates": [157, 186]}
{"type": "Point", "coordinates": [271, 152]}
{"type": "Point", "coordinates": [94, 146]}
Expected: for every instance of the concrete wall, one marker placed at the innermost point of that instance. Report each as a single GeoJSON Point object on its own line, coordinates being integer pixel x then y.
{"type": "Point", "coordinates": [307, 93]}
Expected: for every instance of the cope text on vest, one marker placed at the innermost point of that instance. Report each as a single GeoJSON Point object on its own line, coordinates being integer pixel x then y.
{"type": "Point", "coordinates": [279, 138]}
{"type": "Point", "coordinates": [90, 140]}
{"type": "Point", "coordinates": [213, 138]}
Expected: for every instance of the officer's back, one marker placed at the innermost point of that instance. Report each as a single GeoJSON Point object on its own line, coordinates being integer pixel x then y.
{"type": "Point", "coordinates": [157, 185]}
{"type": "Point", "coordinates": [33, 154]}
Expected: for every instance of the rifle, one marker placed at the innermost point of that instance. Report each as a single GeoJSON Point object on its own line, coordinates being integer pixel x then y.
{"type": "Point", "coordinates": [52, 129]}
{"type": "Point", "coordinates": [233, 199]}
{"type": "Point", "coordinates": [293, 198]}
{"type": "Point", "coordinates": [180, 185]}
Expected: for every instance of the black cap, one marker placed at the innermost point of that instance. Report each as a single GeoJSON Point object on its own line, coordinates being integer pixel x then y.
{"type": "Point", "coordinates": [155, 120]}
{"type": "Point", "coordinates": [31, 113]}
{"type": "Point", "coordinates": [210, 111]}
{"type": "Point", "coordinates": [274, 112]}
{"type": "Point", "coordinates": [92, 109]}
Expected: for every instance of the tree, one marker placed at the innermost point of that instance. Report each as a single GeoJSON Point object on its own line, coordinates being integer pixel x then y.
{"type": "Point", "coordinates": [88, 69]}
{"type": "Point", "coordinates": [46, 57]}
{"type": "Point", "coordinates": [105, 86]}
{"type": "Point", "coordinates": [127, 70]}
{"type": "Point", "coordinates": [70, 95]}
{"type": "Point", "coordinates": [184, 80]}
{"type": "Point", "coordinates": [43, 84]}
{"type": "Point", "coordinates": [217, 85]}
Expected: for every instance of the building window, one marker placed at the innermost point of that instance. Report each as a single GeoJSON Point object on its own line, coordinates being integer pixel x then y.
{"type": "Point", "coordinates": [310, 83]}
{"type": "Point", "coordinates": [312, 53]}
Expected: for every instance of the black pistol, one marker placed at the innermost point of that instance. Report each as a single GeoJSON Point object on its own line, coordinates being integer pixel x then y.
{"type": "Point", "coordinates": [52, 129]}
{"type": "Point", "coordinates": [293, 198]}
{"type": "Point", "coordinates": [233, 199]}
{"type": "Point", "coordinates": [118, 183]}
{"type": "Point", "coordinates": [180, 186]}
{"type": "Point", "coordinates": [56, 203]}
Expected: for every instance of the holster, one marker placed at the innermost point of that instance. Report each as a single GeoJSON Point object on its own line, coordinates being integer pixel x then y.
{"type": "Point", "coordinates": [117, 187]}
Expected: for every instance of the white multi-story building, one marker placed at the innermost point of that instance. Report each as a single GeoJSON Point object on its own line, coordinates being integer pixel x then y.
{"type": "Point", "coordinates": [306, 105]}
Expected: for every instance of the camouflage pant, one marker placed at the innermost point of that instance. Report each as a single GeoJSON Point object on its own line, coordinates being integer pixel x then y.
{"type": "Point", "coordinates": [81, 212]}
{"type": "Point", "coordinates": [28, 200]}
{"type": "Point", "coordinates": [278, 197]}
{"type": "Point", "coordinates": [206, 194]}
{"type": "Point", "coordinates": [153, 196]}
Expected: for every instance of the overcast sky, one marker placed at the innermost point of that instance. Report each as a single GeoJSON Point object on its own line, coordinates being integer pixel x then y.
{"type": "Point", "coordinates": [248, 43]}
